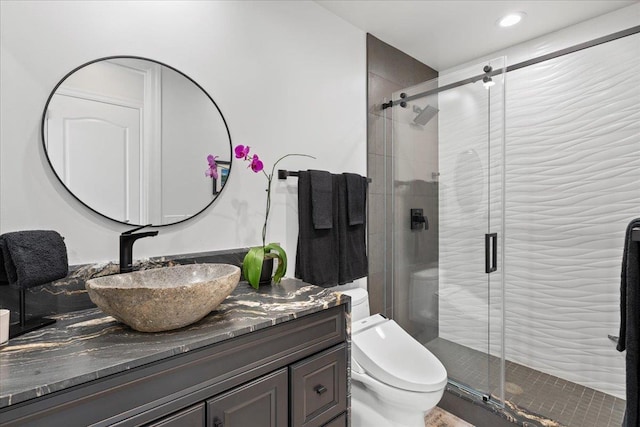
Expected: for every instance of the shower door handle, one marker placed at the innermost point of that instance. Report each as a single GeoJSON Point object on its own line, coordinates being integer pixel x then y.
{"type": "Point", "coordinates": [490, 252]}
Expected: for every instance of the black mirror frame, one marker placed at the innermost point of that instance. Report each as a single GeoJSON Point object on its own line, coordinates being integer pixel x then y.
{"type": "Point", "coordinates": [44, 147]}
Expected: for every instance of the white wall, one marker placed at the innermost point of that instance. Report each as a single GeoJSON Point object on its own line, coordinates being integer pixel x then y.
{"type": "Point", "coordinates": [572, 186]}
{"type": "Point", "coordinates": [288, 76]}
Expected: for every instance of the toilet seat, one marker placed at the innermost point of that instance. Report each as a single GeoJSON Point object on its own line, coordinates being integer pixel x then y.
{"type": "Point", "coordinates": [390, 355]}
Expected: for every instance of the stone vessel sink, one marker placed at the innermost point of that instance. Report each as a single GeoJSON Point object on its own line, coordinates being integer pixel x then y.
{"type": "Point", "coordinates": [166, 298]}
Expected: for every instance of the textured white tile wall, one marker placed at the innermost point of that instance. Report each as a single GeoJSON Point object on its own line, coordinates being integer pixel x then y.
{"type": "Point", "coordinates": [572, 185]}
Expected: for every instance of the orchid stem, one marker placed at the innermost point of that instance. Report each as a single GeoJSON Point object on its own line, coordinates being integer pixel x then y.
{"type": "Point", "coordinates": [269, 179]}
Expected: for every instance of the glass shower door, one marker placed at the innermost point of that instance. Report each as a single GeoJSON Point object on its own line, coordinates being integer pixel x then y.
{"type": "Point", "coordinates": [447, 222]}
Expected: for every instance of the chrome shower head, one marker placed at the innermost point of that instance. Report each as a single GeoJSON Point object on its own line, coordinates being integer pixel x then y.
{"type": "Point", "coordinates": [424, 114]}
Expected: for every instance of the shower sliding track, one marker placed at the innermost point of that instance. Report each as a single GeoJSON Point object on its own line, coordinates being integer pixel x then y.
{"type": "Point", "coordinates": [575, 48]}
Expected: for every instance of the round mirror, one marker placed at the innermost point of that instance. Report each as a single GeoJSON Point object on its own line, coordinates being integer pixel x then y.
{"type": "Point", "coordinates": [129, 138]}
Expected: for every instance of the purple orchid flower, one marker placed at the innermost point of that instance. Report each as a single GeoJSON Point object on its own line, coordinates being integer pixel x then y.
{"type": "Point", "coordinates": [212, 170]}
{"type": "Point", "coordinates": [256, 164]}
{"type": "Point", "coordinates": [242, 152]}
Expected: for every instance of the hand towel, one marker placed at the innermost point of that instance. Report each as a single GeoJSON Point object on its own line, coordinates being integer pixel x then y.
{"type": "Point", "coordinates": [356, 196]}
{"type": "Point", "coordinates": [352, 247]}
{"type": "Point", "coordinates": [32, 258]}
{"type": "Point", "coordinates": [321, 199]}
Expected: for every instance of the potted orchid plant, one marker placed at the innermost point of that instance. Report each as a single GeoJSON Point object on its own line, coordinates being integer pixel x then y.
{"type": "Point", "coordinates": [259, 258]}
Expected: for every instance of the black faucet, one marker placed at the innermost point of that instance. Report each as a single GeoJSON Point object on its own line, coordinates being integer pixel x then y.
{"type": "Point", "coordinates": [418, 220]}
{"type": "Point", "coordinates": [126, 246]}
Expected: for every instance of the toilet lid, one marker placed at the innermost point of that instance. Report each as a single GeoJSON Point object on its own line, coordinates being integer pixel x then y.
{"type": "Point", "coordinates": [392, 356]}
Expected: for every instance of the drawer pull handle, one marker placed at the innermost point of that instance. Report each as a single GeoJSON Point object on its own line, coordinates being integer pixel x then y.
{"type": "Point", "coordinates": [217, 423]}
{"type": "Point", "coordinates": [320, 389]}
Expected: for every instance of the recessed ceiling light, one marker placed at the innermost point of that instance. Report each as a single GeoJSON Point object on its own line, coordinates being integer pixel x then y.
{"type": "Point", "coordinates": [511, 19]}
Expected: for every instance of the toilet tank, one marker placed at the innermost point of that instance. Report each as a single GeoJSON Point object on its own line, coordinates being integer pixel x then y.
{"type": "Point", "coordinates": [359, 303]}
{"type": "Point", "coordinates": [423, 296]}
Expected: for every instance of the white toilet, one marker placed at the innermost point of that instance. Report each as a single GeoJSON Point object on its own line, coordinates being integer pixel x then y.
{"type": "Point", "coordinates": [395, 380]}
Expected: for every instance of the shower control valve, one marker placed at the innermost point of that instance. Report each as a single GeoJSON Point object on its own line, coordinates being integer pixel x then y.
{"type": "Point", "coordinates": [418, 220]}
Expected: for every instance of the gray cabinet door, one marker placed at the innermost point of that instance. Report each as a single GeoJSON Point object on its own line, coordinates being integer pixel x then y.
{"type": "Point", "coordinates": [339, 421]}
{"type": "Point", "coordinates": [260, 403]}
{"type": "Point", "coordinates": [319, 387]}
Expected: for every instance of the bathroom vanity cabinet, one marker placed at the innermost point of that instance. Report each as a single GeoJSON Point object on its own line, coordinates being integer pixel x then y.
{"type": "Point", "coordinates": [317, 397]}
{"type": "Point", "coordinates": [288, 374]}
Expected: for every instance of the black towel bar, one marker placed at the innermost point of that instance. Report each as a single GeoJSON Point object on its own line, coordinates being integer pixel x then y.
{"type": "Point", "coordinates": [283, 174]}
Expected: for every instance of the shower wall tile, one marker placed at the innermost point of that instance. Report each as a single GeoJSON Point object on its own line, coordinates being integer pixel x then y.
{"type": "Point", "coordinates": [389, 188]}
{"type": "Point", "coordinates": [388, 70]}
{"type": "Point", "coordinates": [376, 215]}
{"type": "Point", "coordinates": [380, 90]}
{"type": "Point", "coordinates": [375, 167]}
{"type": "Point", "coordinates": [394, 65]}
{"type": "Point", "coordinates": [378, 127]}
{"type": "Point", "coordinates": [376, 291]}
{"type": "Point", "coordinates": [388, 275]}
{"type": "Point", "coordinates": [377, 253]}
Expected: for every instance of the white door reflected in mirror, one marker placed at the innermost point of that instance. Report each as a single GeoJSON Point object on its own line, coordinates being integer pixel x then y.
{"type": "Point", "coordinates": [95, 149]}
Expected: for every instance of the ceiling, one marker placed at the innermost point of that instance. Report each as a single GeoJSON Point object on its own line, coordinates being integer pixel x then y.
{"type": "Point", "coordinates": [443, 34]}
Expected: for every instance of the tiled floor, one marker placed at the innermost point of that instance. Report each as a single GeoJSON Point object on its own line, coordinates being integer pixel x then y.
{"type": "Point", "coordinates": [440, 418]}
{"type": "Point", "coordinates": [567, 403]}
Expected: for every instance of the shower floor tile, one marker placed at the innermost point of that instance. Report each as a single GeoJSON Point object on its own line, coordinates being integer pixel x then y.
{"type": "Point", "coordinates": [563, 401]}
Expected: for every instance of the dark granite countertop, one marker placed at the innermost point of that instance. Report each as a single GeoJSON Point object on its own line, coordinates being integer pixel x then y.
{"type": "Point", "coordinates": [87, 345]}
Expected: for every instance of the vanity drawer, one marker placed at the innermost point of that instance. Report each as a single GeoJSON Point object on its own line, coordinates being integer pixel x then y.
{"type": "Point", "coordinates": [190, 417]}
{"type": "Point", "coordinates": [319, 387]}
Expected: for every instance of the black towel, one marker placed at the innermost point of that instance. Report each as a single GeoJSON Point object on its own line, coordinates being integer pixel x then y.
{"type": "Point", "coordinates": [352, 247]}
{"type": "Point", "coordinates": [335, 256]}
{"type": "Point", "coordinates": [317, 252]}
{"type": "Point", "coordinates": [629, 337]}
{"type": "Point", "coordinates": [32, 258]}
{"type": "Point", "coordinates": [321, 199]}
{"type": "Point", "coordinates": [356, 197]}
